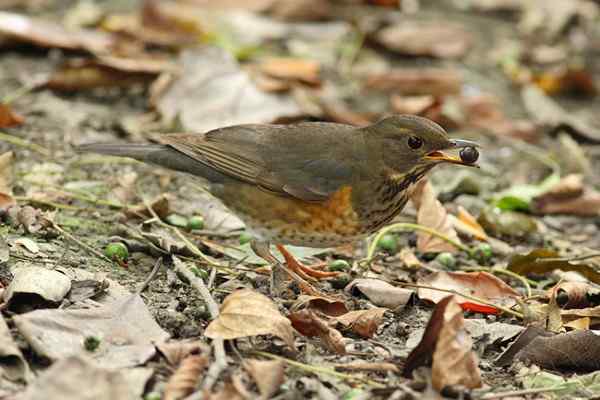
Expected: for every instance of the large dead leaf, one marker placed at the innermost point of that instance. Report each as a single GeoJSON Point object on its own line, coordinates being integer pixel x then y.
{"type": "Point", "coordinates": [421, 81]}
{"type": "Point", "coordinates": [363, 322]}
{"type": "Point", "coordinates": [8, 117]}
{"type": "Point", "coordinates": [31, 284]}
{"type": "Point", "coordinates": [311, 325]}
{"type": "Point", "coordinates": [380, 293]}
{"type": "Point", "coordinates": [432, 214]}
{"type": "Point", "coordinates": [49, 34]}
{"type": "Point", "coordinates": [268, 375]}
{"type": "Point", "coordinates": [478, 284]}
{"type": "Point", "coordinates": [78, 378]}
{"type": "Point", "coordinates": [568, 196]}
{"type": "Point", "coordinates": [125, 329]}
{"type": "Point", "coordinates": [186, 377]}
{"type": "Point", "coordinates": [249, 313]}
{"type": "Point", "coordinates": [212, 91]}
{"type": "Point", "coordinates": [12, 363]}
{"type": "Point", "coordinates": [542, 261]}
{"type": "Point", "coordinates": [425, 39]}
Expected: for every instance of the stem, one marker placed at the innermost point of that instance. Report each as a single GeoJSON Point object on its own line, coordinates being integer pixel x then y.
{"type": "Point", "coordinates": [406, 226]}
{"type": "Point", "coordinates": [5, 137]}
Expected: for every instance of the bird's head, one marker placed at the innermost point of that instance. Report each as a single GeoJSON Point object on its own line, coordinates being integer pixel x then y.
{"type": "Point", "coordinates": [410, 142]}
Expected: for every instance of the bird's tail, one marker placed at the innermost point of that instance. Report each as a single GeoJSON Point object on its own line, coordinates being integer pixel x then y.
{"type": "Point", "coordinates": [157, 154]}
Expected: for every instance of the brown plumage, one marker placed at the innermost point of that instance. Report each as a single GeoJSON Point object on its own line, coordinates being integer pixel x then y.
{"type": "Point", "coordinates": [311, 184]}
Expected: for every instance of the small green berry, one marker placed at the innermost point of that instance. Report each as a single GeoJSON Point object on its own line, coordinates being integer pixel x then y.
{"type": "Point", "coordinates": [341, 281]}
{"type": "Point", "coordinates": [200, 273]}
{"type": "Point", "coordinates": [91, 343]}
{"type": "Point", "coordinates": [245, 237]}
{"type": "Point", "coordinates": [483, 253]}
{"type": "Point", "coordinates": [116, 251]}
{"type": "Point", "coordinates": [177, 220]}
{"type": "Point", "coordinates": [388, 243]}
{"type": "Point", "coordinates": [339, 265]}
{"type": "Point", "coordinates": [195, 222]}
{"type": "Point", "coordinates": [153, 396]}
{"type": "Point", "coordinates": [353, 393]}
{"type": "Point", "coordinates": [446, 259]}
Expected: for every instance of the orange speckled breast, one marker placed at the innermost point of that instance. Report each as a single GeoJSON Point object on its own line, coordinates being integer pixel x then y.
{"type": "Point", "coordinates": [292, 221]}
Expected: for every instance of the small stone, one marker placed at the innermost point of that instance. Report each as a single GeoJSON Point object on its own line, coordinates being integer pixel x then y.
{"type": "Point", "coordinates": [469, 155]}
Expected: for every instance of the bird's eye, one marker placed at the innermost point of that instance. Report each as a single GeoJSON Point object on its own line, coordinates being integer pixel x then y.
{"type": "Point", "coordinates": [415, 142]}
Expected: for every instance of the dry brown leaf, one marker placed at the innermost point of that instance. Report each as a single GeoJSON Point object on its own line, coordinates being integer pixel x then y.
{"type": "Point", "coordinates": [306, 71]}
{"type": "Point", "coordinates": [454, 362]}
{"type": "Point", "coordinates": [417, 82]}
{"type": "Point", "coordinates": [268, 375]}
{"type": "Point", "coordinates": [581, 324]}
{"type": "Point", "coordinates": [185, 378]}
{"type": "Point", "coordinates": [573, 294]}
{"type": "Point", "coordinates": [380, 293]}
{"type": "Point", "coordinates": [425, 39]}
{"type": "Point", "coordinates": [411, 104]}
{"type": "Point", "coordinates": [160, 205]}
{"type": "Point", "coordinates": [49, 34]}
{"type": "Point", "coordinates": [568, 196]}
{"type": "Point", "coordinates": [363, 322]}
{"type": "Point", "coordinates": [432, 214]}
{"type": "Point", "coordinates": [566, 80]}
{"type": "Point", "coordinates": [367, 366]}
{"type": "Point", "coordinates": [409, 259]}
{"type": "Point", "coordinates": [6, 202]}
{"type": "Point", "coordinates": [326, 305]}
{"type": "Point", "coordinates": [470, 222]}
{"type": "Point", "coordinates": [176, 351]}
{"type": "Point", "coordinates": [310, 325]}
{"type": "Point", "coordinates": [478, 284]}
{"type": "Point", "coordinates": [8, 117]}
{"type": "Point", "coordinates": [248, 313]}
{"type": "Point", "coordinates": [231, 390]}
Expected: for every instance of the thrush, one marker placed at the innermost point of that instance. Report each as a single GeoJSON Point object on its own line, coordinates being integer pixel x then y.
{"type": "Point", "coordinates": [312, 184]}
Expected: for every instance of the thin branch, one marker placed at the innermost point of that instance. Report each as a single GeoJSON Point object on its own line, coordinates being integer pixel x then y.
{"type": "Point", "coordinates": [16, 141]}
{"type": "Point", "coordinates": [151, 276]}
{"type": "Point", "coordinates": [518, 393]}
{"type": "Point", "coordinates": [84, 246]}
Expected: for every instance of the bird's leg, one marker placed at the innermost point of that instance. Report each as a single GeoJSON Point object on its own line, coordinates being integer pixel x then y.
{"type": "Point", "coordinates": [301, 269]}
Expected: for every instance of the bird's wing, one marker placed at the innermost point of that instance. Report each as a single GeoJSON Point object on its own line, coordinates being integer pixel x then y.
{"type": "Point", "coordinates": [299, 160]}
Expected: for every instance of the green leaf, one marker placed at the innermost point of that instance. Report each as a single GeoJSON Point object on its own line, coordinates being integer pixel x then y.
{"type": "Point", "coordinates": [519, 197]}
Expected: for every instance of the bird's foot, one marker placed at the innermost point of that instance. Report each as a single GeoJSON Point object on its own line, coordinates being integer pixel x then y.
{"type": "Point", "coordinates": [310, 273]}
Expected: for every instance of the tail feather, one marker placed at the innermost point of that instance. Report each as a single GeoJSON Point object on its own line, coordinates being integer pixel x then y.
{"type": "Point", "coordinates": [157, 154]}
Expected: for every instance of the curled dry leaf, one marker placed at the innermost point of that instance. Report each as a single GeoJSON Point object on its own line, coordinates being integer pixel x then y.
{"type": "Point", "coordinates": [176, 351]}
{"type": "Point", "coordinates": [326, 305]}
{"type": "Point", "coordinates": [160, 205]}
{"type": "Point", "coordinates": [248, 313]}
{"type": "Point", "coordinates": [268, 375]}
{"type": "Point", "coordinates": [432, 214]}
{"type": "Point", "coordinates": [568, 196]}
{"type": "Point", "coordinates": [363, 322]}
{"type": "Point", "coordinates": [425, 39]}
{"type": "Point", "coordinates": [467, 223]}
{"type": "Point", "coordinates": [8, 117]}
{"type": "Point", "coordinates": [542, 261]}
{"type": "Point", "coordinates": [417, 82]}
{"type": "Point", "coordinates": [411, 104]}
{"type": "Point", "coordinates": [380, 293]}
{"type": "Point", "coordinates": [573, 294]}
{"type": "Point", "coordinates": [454, 362]}
{"type": "Point", "coordinates": [185, 378]}
{"type": "Point", "coordinates": [310, 325]}
{"type": "Point", "coordinates": [292, 69]}
{"type": "Point", "coordinates": [478, 284]}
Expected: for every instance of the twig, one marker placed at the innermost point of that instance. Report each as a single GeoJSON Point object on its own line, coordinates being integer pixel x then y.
{"type": "Point", "coordinates": [151, 276]}
{"type": "Point", "coordinates": [406, 226]}
{"type": "Point", "coordinates": [466, 296]}
{"type": "Point", "coordinates": [323, 370]}
{"type": "Point", "coordinates": [79, 242]}
{"type": "Point", "coordinates": [517, 393]}
{"type": "Point", "coordinates": [218, 344]}
{"type": "Point", "coordinates": [568, 259]}
{"type": "Point", "coordinates": [5, 137]}
{"type": "Point", "coordinates": [47, 203]}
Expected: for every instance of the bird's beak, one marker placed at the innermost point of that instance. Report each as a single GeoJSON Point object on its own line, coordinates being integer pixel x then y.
{"type": "Point", "coordinates": [439, 156]}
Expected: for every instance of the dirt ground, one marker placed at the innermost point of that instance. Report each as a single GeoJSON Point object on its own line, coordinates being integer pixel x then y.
{"type": "Point", "coordinates": [82, 194]}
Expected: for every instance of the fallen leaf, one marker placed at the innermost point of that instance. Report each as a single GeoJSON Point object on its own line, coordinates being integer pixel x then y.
{"type": "Point", "coordinates": [380, 293]}
{"type": "Point", "coordinates": [326, 305]}
{"type": "Point", "coordinates": [573, 294]}
{"type": "Point", "coordinates": [305, 71]}
{"type": "Point", "coordinates": [363, 322]}
{"type": "Point", "coordinates": [6, 173]}
{"type": "Point", "coordinates": [176, 351]}
{"type": "Point", "coordinates": [49, 34]}
{"type": "Point", "coordinates": [28, 244]}
{"type": "Point", "coordinates": [269, 375]}
{"type": "Point", "coordinates": [160, 205]}
{"type": "Point", "coordinates": [310, 325]}
{"type": "Point", "coordinates": [125, 329]}
{"type": "Point", "coordinates": [29, 280]}
{"type": "Point", "coordinates": [425, 39]}
{"type": "Point", "coordinates": [66, 378]}
{"type": "Point", "coordinates": [534, 263]}
{"type": "Point", "coordinates": [185, 378]}
{"type": "Point", "coordinates": [423, 82]}
{"type": "Point", "coordinates": [581, 324]}
{"type": "Point", "coordinates": [416, 105]}
{"type": "Point", "coordinates": [248, 313]}
{"type": "Point", "coordinates": [409, 259]}
{"type": "Point", "coordinates": [432, 214]}
{"type": "Point", "coordinates": [479, 284]}
{"type": "Point", "coordinates": [454, 362]}
{"type": "Point", "coordinates": [12, 362]}
{"type": "Point", "coordinates": [229, 391]}
{"type": "Point", "coordinates": [212, 91]}
{"type": "Point", "coordinates": [568, 196]}
{"type": "Point", "coordinates": [468, 223]}
{"type": "Point", "coordinates": [8, 118]}
{"type": "Point", "coordinates": [575, 81]}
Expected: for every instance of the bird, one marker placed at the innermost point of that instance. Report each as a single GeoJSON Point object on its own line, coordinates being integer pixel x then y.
{"type": "Point", "coordinates": [312, 184]}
